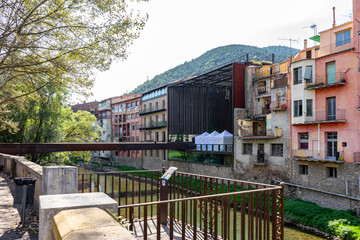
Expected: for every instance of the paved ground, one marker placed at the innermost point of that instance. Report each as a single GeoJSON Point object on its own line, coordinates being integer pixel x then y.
{"type": "Point", "coordinates": [10, 227]}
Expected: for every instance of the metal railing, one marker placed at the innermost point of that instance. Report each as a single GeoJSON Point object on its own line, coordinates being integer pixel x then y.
{"type": "Point", "coordinates": [327, 80]}
{"type": "Point", "coordinates": [275, 105]}
{"type": "Point", "coordinates": [325, 116]}
{"type": "Point", "coordinates": [265, 110]}
{"type": "Point", "coordinates": [262, 90]}
{"type": "Point", "coordinates": [155, 124]}
{"type": "Point", "coordinates": [191, 205]}
{"type": "Point", "coordinates": [279, 82]}
{"type": "Point", "coordinates": [316, 155]}
{"type": "Point", "coordinates": [160, 107]}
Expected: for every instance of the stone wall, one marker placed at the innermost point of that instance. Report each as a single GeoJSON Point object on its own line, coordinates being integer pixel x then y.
{"type": "Point", "coordinates": [203, 169]}
{"type": "Point", "coordinates": [16, 166]}
{"type": "Point", "coordinates": [348, 174]}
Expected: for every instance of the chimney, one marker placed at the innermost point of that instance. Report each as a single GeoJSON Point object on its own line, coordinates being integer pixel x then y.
{"type": "Point", "coordinates": [305, 44]}
{"type": "Point", "coordinates": [334, 22]}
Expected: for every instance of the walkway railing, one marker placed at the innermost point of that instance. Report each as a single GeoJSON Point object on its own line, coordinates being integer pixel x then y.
{"type": "Point", "coordinates": [193, 206]}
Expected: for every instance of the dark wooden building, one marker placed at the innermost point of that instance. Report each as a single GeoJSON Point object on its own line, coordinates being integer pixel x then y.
{"type": "Point", "coordinates": [206, 102]}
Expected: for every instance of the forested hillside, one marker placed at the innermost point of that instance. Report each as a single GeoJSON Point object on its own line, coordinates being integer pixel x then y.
{"type": "Point", "coordinates": [213, 58]}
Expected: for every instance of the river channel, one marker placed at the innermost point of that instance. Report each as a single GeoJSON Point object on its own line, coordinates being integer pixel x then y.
{"type": "Point", "coordinates": [291, 233]}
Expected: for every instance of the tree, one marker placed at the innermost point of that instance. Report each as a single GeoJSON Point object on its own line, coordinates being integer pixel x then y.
{"type": "Point", "coordinates": [59, 43]}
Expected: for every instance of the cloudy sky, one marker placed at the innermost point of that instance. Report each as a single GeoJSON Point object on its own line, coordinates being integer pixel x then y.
{"type": "Point", "coordinates": [178, 31]}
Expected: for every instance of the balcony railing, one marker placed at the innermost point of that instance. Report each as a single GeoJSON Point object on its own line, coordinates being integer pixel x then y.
{"type": "Point", "coordinates": [155, 125]}
{"type": "Point", "coordinates": [265, 110]}
{"type": "Point", "coordinates": [325, 116]}
{"type": "Point", "coordinates": [277, 106]}
{"type": "Point", "coordinates": [316, 155]}
{"type": "Point", "coordinates": [262, 90]}
{"type": "Point", "coordinates": [153, 109]}
{"type": "Point", "coordinates": [280, 82]}
{"type": "Point", "coordinates": [329, 80]}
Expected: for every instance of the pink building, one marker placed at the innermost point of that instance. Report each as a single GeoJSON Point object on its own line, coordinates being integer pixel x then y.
{"type": "Point", "coordinates": [325, 116]}
{"type": "Point", "coordinates": [126, 123]}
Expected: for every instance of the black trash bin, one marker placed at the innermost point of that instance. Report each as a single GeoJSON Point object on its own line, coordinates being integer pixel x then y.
{"type": "Point", "coordinates": [24, 195]}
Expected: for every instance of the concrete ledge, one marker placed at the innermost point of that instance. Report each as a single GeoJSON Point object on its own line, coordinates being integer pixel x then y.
{"type": "Point", "coordinates": [50, 205]}
{"type": "Point", "coordinates": [88, 223]}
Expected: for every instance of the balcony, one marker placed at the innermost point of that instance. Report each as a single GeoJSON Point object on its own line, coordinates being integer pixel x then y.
{"type": "Point", "coordinates": [265, 110]}
{"type": "Point", "coordinates": [325, 81]}
{"type": "Point", "coordinates": [277, 106]}
{"type": "Point", "coordinates": [153, 109]}
{"type": "Point", "coordinates": [251, 135]}
{"type": "Point", "coordinates": [154, 125]}
{"type": "Point", "coordinates": [262, 90]}
{"type": "Point", "coordinates": [315, 156]}
{"type": "Point", "coordinates": [324, 117]}
{"type": "Point", "coordinates": [279, 82]}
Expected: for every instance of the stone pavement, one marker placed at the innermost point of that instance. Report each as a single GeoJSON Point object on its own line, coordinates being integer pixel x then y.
{"type": "Point", "coordinates": [10, 227]}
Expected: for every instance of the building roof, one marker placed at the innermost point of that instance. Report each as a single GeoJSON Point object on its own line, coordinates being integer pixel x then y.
{"type": "Point", "coordinates": [87, 106]}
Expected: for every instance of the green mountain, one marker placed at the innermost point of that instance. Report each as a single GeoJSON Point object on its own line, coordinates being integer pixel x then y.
{"type": "Point", "coordinates": [213, 58]}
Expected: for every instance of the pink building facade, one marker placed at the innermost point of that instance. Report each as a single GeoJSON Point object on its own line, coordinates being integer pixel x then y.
{"type": "Point", "coordinates": [325, 112]}
{"type": "Point", "coordinates": [126, 123]}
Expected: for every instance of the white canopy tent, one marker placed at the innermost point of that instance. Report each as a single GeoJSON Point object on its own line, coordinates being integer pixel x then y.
{"type": "Point", "coordinates": [200, 140]}
{"type": "Point", "coordinates": [222, 139]}
{"type": "Point", "coordinates": [209, 139]}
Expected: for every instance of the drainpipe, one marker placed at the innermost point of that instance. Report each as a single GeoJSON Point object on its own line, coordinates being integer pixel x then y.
{"type": "Point", "coordinates": [318, 138]}
{"type": "Point", "coordinates": [346, 187]}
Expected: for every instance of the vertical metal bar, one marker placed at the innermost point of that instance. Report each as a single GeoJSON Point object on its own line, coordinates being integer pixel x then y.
{"type": "Point", "coordinates": [98, 182]}
{"type": "Point", "coordinates": [267, 215]}
{"type": "Point", "coordinates": [112, 185]}
{"type": "Point", "coordinates": [183, 220]}
{"type": "Point", "coordinates": [152, 192]}
{"type": "Point", "coordinates": [252, 216]}
{"type": "Point", "coordinates": [126, 191]}
{"type": "Point", "coordinates": [178, 196]}
{"type": "Point", "coordinates": [145, 222]}
{"type": "Point", "coordinates": [205, 219]}
{"type": "Point", "coordinates": [145, 187]}
{"type": "Point", "coordinates": [274, 214]}
{"type": "Point", "coordinates": [131, 217]}
{"type": "Point", "coordinates": [228, 214]}
{"type": "Point", "coordinates": [133, 189]}
{"type": "Point", "coordinates": [242, 233]}
{"type": "Point", "coordinates": [139, 194]}
{"type": "Point", "coordinates": [256, 214]}
{"type": "Point", "coordinates": [195, 219]}
{"type": "Point", "coordinates": [119, 196]}
{"type": "Point", "coordinates": [186, 202]}
{"type": "Point", "coordinates": [158, 187]}
{"type": "Point", "coordinates": [211, 209]}
{"type": "Point", "coordinates": [260, 216]}
{"type": "Point", "coordinates": [90, 181]}
{"type": "Point", "coordinates": [234, 210]}
{"type": "Point", "coordinates": [191, 194]}
{"type": "Point", "coordinates": [282, 210]}
{"type": "Point", "coordinates": [105, 183]}
{"type": "Point", "coordinates": [172, 210]}
{"type": "Point", "coordinates": [201, 201]}
{"type": "Point", "coordinates": [82, 183]}
{"type": "Point", "coordinates": [158, 224]}
{"type": "Point", "coordinates": [216, 218]}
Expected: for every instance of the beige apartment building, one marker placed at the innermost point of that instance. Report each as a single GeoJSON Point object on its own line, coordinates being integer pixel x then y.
{"type": "Point", "coordinates": [154, 125]}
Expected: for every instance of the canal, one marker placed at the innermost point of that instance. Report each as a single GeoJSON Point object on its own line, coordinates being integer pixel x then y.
{"type": "Point", "coordinates": [112, 186]}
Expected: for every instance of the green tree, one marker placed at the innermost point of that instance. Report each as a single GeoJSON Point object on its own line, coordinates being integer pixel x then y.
{"type": "Point", "coordinates": [59, 43]}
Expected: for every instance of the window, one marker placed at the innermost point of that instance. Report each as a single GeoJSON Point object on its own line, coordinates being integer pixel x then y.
{"type": "Point", "coordinates": [128, 105]}
{"type": "Point", "coordinates": [343, 38]}
{"type": "Point", "coordinates": [309, 108]}
{"type": "Point", "coordinates": [298, 108]}
{"type": "Point", "coordinates": [133, 127]}
{"type": "Point", "coordinates": [137, 103]}
{"type": "Point", "coordinates": [277, 149]}
{"type": "Point", "coordinates": [137, 139]}
{"type": "Point", "coordinates": [133, 104]}
{"type": "Point", "coordinates": [298, 75]}
{"type": "Point", "coordinates": [331, 172]}
{"type": "Point", "coordinates": [247, 148]}
{"type": "Point", "coordinates": [303, 169]}
{"type": "Point", "coordinates": [330, 72]}
{"type": "Point", "coordinates": [132, 139]}
{"type": "Point", "coordinates": [137, 126]}
{"type": "Point", "coordinates": [331, 108]}
{"type": "Point", "coordinates": [308, 74]}
{"type": "Point", "coordinates": [308, 54]}
{"type": "Point", "coordinates": [133, 115]}
{"type": "Point", "coordinates": [128, 116]}
{"type": "Point", "coordinates": [116, 153]}
{"type": "Point", "coordinates": [304, 140]}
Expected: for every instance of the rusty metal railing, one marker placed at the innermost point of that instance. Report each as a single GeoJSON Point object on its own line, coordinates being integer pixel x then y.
{"type": "Point", "coordinates": [196, 206]}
